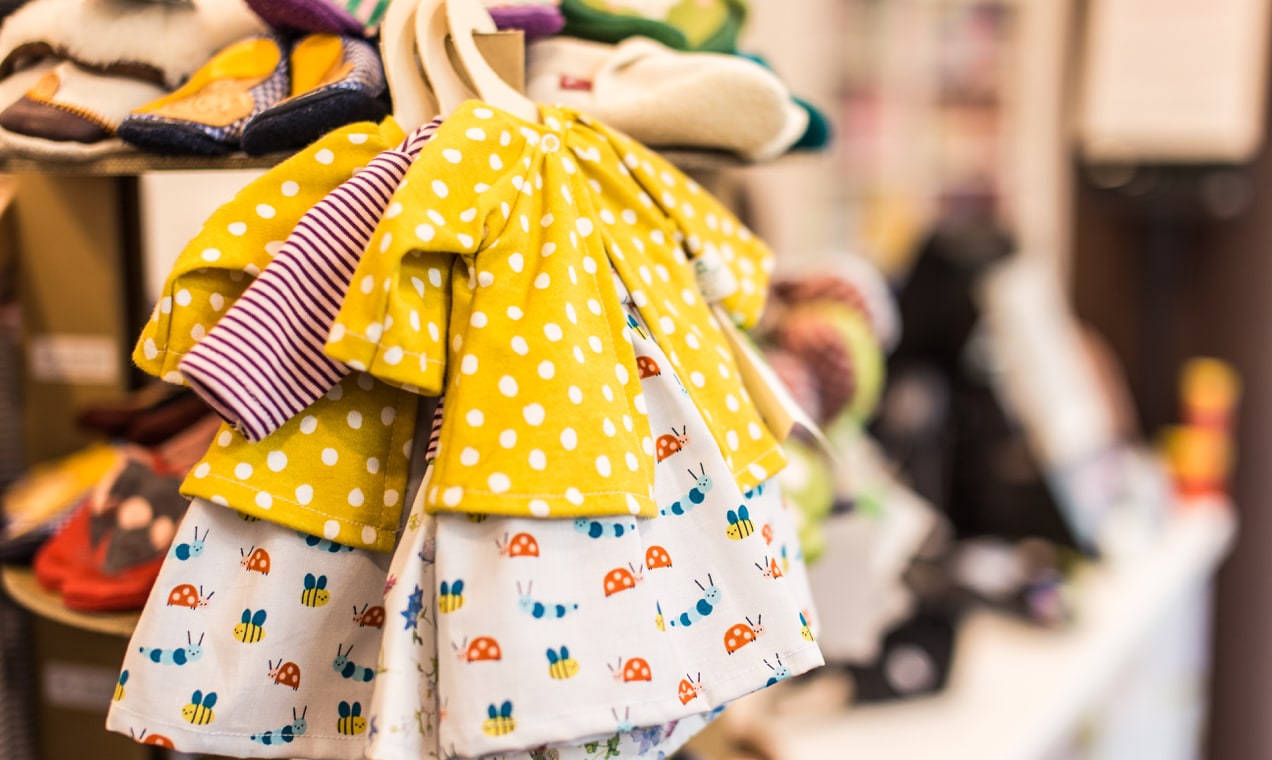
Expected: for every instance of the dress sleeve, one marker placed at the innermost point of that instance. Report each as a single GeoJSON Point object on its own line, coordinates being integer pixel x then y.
{"type": "Point", "coordinates": [454, 202]}
{"type": "Point", "coordinates": [737, 263]}
{"type": "Point", "coordinates": [241, 237]}
{"type": "Point", "coordinates": [263, 361]}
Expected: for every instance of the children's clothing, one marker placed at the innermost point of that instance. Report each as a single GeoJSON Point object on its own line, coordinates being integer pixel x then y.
{"type": "Point", "coordinates": [262, 363]}
{"type": "Point", "coordinates": [528, 217]}
{"type": "Point", "coordinates": [256, 641]}
{"type": "Point", "coordinates": [339, 469]}
{"type": "Point", "coordinates": [586, 625]}
{"type": "Point", "coordinates": [408, 708]}
{"type": "Point", "coordinates": [540, 275]}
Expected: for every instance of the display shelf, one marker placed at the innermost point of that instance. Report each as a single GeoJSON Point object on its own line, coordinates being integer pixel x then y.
{"type": "Point", "coordinates": [20, 584]}
{"type": "Point", "coordinates": [131, 163]}
{"type": "Point", "coordinates": [1016, 691]}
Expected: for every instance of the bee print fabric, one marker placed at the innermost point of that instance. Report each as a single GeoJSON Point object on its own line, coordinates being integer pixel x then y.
{"type": "Point", "coordinates": [257, 641]}
{"type": "Point", "coordinates": [408, 708]}
{"type": "Point", "coordinates": [553, 631]}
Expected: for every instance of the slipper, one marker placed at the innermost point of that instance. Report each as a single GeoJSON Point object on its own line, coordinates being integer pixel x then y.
{"type": "Point", "coordinates": [113, 416]}
{"type": "Point", "coordinates": [207, 115]}
{"type": "Point", "coordinates": [95, 590]}
{"type": "Point", "coordinates": [51, 489]}
{"type": "Point", "coordinates": [664, 98]}
{"type": "Point", "coordinates": [159, 42]}
{"type": "Point", "coordinates": [700, 25]}
{"type": "Point", "coordinates": [354, 17]}
{"type": "Point", "coordinates": [334, 81]}
{"type": "Point", "coordinates": [536, 18]}
{"type": "Point", "coordinates": [72, 113]}
{"type": "Point", "coordinates": [65, 553]}
{"type": "Point", "coordinates": [137, 516]}
{"type": "Point", "coordinates": [148, 418]}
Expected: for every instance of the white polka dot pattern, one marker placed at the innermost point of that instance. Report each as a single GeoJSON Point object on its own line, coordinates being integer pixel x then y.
{"type": "Point", "coordinates": [532, 323]}
{"type": "Point", "coordinates": [286, 478]}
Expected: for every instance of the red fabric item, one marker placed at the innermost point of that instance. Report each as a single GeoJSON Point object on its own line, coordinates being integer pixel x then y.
{"type": "Point", "coordinates": [92, 590]}
{"type": "Point", "coordinates": [67, 553]}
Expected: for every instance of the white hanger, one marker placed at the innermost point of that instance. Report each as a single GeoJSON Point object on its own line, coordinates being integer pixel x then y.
{"type": "Point", "coordinates": [431, 31]}
{"type": "Point", "coordinates": [413, 102]}
{"type": "Point", "coordinates": [464, 17]}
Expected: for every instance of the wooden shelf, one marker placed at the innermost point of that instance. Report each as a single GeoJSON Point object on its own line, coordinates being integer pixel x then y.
{"type": "Point", "coordinates": [131, 163]}
{"type": "Point", "coordinates": [20, 584]}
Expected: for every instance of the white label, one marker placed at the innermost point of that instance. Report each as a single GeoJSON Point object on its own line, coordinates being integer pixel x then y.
{"type": "Point", "coordinates": [715, 279]}
{"type": "Point", "coordinates": [88, 359]}
{"type": "Point", "coordinates": [78, 687]}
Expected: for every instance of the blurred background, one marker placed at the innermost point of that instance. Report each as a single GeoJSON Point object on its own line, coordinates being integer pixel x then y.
{"type": "Point", "coordinates": [1112, 154]}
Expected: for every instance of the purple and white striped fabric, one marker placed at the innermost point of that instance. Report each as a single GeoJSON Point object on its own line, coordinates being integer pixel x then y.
{"type": "Point", "coordinates": [263, 361]}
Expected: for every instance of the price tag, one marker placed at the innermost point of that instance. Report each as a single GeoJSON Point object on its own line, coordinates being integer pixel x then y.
{"type": "Point", "coordinates": [715, 279]}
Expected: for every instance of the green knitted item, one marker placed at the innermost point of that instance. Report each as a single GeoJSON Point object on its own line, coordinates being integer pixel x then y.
{"type": "Point", "coordinates": [694, 25]}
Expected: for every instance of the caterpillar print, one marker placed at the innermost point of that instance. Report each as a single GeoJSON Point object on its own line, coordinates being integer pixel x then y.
{"type": "Point", "coordinates": [696, 495]}
{"type": "Point", "coordinates": [191, 652]}
{"type": "Point", "coordinates": [348, 668]}
{"type": "Point", "coordinates": [702, 608]}
{"type": "Point", "coordinates": [287, 734]}
{"type": "Point", "coordinates": [604, 528]}
{"type": "Point", "coordinates": [537, 609]}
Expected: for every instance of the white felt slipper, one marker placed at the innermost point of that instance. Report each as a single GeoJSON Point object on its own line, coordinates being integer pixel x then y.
{"type": "Point", "coordinates": [164, 42]}
{"type": "Point", "coordinates": [666, 98]}
{"type": "Point", "coordinates": [72, 113]}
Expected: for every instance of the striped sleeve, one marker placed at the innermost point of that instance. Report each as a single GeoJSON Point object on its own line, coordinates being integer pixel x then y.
{"type": "Point", "coordinates": [263, 362]}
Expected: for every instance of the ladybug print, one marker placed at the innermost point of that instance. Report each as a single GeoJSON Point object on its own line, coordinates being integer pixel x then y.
{"type": "Point", "coordinates": [255, 560]}
{"type": "Point", "coordinates": [657, 557]}
{"type": "Point", "coordinates": [483, 649]}
{"type": "Point", "coordinates": [368, 618]}
{"type": "Point", "coordinates": [741, 634]}
{"type": "Point", "coordinates": [671, 443]}
{"type": "Point", "coordinates": [770, 568]}
{"type": "Point", "coordinates": [689, 688]}
{"type": "Point", "coordinates": [635, 669]}
{"type": "Point", "coordinates": [520, 545]}
{"type": "Point", "coordinates": [154, 740]}
{"type": "Point", "coordinates": [623, 578]}
{"type": "Point", "coordinates": [285, 673]}
{"type": "Point", "coordinates": [647, 367]}
{"type": "Point", "coordinates": [186, 595]}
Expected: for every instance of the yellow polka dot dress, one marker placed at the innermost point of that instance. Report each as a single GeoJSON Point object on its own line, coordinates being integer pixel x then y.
{"type": "Point", "coordinates": [490, 279]}
{"type": "Point", "coordinates": [339, 469]}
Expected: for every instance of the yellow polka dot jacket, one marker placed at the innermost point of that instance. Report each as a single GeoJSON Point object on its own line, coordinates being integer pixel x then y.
{"type": "Point", "coordinates": [496, 276]}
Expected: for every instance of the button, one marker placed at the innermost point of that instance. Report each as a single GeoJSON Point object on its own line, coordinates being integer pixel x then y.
{"type": "Point", "coordinates": [551, 143]}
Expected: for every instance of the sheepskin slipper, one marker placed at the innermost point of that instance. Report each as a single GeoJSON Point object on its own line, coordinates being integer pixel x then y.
{"type": "Point", "coordinates": [72, 113]}
{"type": "Point", "coordinates": [208, 114]}
{"type": "Point", "coordinates": [334, 81]}
{"type": "Point", "coordinates": [665, 98]}
{"type": "Point", "coordinates": [159, 42]}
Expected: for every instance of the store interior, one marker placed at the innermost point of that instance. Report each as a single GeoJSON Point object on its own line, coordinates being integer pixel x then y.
{"type": "Point", "coordinates": [935, 331]}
